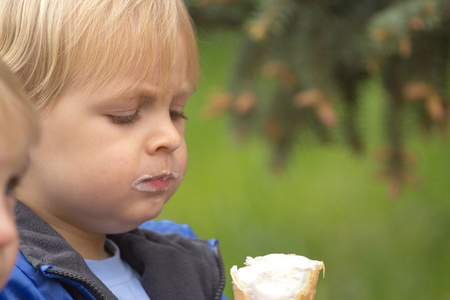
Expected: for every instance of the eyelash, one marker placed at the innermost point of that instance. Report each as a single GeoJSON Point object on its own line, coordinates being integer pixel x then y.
{"type": "Point", "coordinates": [125, 120]}
{"type": "Point", "coordinates": [130, 119]}
{"type": "Point", "coordinates": [175, 115]}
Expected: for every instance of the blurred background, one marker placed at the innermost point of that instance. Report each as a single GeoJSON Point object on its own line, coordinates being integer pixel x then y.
{"type": "Point", "coordinates": [320, 128]}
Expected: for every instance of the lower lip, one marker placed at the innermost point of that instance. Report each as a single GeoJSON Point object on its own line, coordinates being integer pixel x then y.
{"type": "Point", "coordinates": [153, 185]}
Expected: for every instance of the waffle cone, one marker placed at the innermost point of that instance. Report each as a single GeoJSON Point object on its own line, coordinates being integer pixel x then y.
{"type": "Point", "coordinates": [306, 293]}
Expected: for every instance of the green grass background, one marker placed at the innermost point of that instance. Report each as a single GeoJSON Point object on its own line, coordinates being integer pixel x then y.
{"type": "Point", "coordinates": [326, 205]}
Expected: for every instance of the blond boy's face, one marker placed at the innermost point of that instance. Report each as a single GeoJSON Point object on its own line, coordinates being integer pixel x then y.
{"type": "Point", "coordinates": [109, 160]}
{"type": "Point", "coordinates": [13, 162]}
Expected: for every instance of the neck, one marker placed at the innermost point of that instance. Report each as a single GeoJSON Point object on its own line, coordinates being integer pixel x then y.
{"type": "Point", "coordinates": [90, 245]}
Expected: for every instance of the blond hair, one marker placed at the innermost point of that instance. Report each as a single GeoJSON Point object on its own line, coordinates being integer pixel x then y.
{"type": "Point", "coordinates": [54, 44]}
{"type": "Point", "coordinates": [18, 117]}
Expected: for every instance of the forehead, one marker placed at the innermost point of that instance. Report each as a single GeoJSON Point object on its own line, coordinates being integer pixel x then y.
{"type": "Point", "coordinates": [179, 70]}
{"type": "Point", "coordinates": [178, 81]}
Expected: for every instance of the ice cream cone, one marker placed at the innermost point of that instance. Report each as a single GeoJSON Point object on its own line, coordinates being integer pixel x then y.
{"type": "Point", "coordinates": [309, 291]}
{"type": "Point", "coordinates": [238, 293]}
{"type": "Point", "coordinates": [306, 291]}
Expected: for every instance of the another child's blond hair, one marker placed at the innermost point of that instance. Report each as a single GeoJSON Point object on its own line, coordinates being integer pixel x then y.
{"type": "Point", "coordinates": [18, 118]}
{"type": "Point", "coordinates": [54, 44]}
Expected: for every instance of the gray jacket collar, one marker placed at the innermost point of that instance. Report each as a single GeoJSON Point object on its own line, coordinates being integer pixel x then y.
{"type": "Point", "coordinates": [171, 266]}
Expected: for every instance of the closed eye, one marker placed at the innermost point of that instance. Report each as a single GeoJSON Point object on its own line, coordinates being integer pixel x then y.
{"type": "Point", "coordinates": [177, 115]}
{"type": "Point", "coordinates": [125, 120]}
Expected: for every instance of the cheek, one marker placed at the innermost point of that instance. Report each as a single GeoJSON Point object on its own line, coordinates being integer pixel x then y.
{"type": "Point", "coordinates": [89, 145]}
{"type": "Point", "coordinates": [114, 164]}
{"type": "Point", "coordinates": [82, 166]}
{"type": "Point", "coordinates": [182, 157]}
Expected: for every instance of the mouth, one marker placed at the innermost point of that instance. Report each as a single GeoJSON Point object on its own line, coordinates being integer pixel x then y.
{"type": "Point", "coordinates": [154, 183]}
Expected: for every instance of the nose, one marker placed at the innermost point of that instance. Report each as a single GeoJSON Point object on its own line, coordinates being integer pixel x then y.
{"type": "Point", "coordinates": [8, 231]}
{"type": "Point", "coordinates": [164, 137]}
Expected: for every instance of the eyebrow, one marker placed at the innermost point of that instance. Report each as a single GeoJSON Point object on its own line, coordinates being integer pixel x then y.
{"type": "Point", "coordinates": [131, 96]}
{"type": "Point", "coordinates": [139, 95]}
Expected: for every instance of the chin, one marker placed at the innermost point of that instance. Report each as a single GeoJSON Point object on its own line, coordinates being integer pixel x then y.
{"type": "Point", "coordinates": [135, 223]}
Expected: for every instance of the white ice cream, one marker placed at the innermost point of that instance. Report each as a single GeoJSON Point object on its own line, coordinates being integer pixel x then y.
{"type": "Point", "coordinates": [274, 276]}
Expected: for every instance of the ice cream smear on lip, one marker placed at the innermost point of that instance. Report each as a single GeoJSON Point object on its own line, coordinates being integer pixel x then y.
{"type": "Point", "coordinates": [154, 183]}
{"type": "Point", "coordinates": [277, 277]}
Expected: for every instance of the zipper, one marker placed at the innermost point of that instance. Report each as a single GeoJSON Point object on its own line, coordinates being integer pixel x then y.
{"type": "Point", "coordinates": [222, 282]}
{"type": "Point", "coordinates": [95, 291]}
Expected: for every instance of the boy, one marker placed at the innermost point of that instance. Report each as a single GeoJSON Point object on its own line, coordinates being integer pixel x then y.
{"type": "Point", "coordinates": [19, 129]}
{"type": "Point", "coordinates": [111, 79]}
